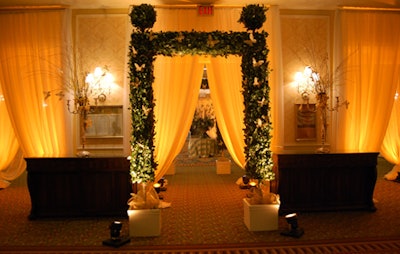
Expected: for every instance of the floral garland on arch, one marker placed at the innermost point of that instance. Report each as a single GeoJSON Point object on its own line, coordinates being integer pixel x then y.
{"type": "Point", "coordinates": [145, 45]}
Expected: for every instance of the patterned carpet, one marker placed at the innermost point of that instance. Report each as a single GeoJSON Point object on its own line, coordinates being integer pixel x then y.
{"type": "Point", "coordinates": [206, 216]}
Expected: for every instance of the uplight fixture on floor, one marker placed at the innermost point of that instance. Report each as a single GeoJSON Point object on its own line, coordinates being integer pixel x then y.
{"type": "Point", "coordinates": [294, 230]}
{"type": "Point", "coordinates": [116, 239]}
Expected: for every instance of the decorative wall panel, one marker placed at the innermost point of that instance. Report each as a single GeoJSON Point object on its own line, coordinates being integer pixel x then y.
{"type": "Point", "coordinates": [305, 42]}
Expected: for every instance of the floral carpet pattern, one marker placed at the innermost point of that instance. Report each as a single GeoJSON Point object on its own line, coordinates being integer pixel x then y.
{"type": "Point", "coordinates": [206, 210]}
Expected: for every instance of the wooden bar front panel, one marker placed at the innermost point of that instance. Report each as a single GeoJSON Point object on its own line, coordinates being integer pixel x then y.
{"type": "Point", "coordinates": [326, 182]}
{"type": "Point", "coordinates": [73, 187]}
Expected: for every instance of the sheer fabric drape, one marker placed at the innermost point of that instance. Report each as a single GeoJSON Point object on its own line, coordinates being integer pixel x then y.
{"type": "Point", "coordinates": [176, 88]}
{"type": "Point", "coordinates": [30, 52]}
{"type": "Point", "coordinates": [225, 87]}
{"type": "Point", "coordinates": [371, 56]}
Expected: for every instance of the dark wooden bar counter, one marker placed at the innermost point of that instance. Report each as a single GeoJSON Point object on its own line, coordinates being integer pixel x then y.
{"type": "Point", "coordinates": [78, 187]}
{"type": "Point", "coordinates": [326, 182]}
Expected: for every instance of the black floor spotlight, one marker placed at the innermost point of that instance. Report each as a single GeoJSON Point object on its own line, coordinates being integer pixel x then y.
{"type": "Point", "coordinates": [293, 230]}
{"type": "Point", "coordinates": [116, 239]}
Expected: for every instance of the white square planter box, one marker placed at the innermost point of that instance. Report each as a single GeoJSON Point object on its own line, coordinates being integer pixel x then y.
{"type": "Point", "coordinates": [146, 222]}
{"type": "Point", "coordinates": [263, 217]}
{"type": "Point", "coordinates": [223, 167]}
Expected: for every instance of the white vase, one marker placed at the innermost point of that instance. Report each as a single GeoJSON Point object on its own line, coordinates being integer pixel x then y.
{"type": "Point", "coordinates": [262, 217]}
{"type": "Point", "coordinates": [144, 222]}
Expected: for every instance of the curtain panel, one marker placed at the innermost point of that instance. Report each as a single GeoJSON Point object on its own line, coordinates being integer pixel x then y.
{"type": "Point", "coordinates": [31, 60]}
{"type": "Point", "coordinates": [371, 56]}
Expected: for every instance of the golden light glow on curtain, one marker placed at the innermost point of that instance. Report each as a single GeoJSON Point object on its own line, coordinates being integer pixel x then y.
{"type": "Point", "coordinates": [227, 98]}
{"type": "Point", "coordinates": [30, 52]}
{"type": "Point", "coordinates": [176, 89]}
{"type": "Point", "coordinates": [371, 55]}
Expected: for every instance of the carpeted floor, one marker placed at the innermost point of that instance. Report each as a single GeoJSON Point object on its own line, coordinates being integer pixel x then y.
{"type": "Point", "coordinates": [206, 216]}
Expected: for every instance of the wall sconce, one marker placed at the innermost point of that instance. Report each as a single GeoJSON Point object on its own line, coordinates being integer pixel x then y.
{"type": "Point", "coordinates": [100, 82]}
{"type": "Point", "coordinates": [310, 82]}
{"type": "Point", "coordinates": [116, 240]}
{"type": "Point", "coordinates": [306, 83]}
{"type": "Point", "coordinates": [293, 230]}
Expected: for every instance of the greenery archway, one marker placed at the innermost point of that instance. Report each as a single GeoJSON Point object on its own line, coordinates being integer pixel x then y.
{"type": "Point", "coordinates": [145, 45]}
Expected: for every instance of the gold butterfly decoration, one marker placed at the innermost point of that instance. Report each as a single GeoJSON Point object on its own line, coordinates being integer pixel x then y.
{"type": "Point", "coordinates": [256, 83]}
{"type": "Point", "coordinates": [180, 37]}
{"type": "Point", "coordinates": [211, 42]}
{"type": "Point", "coordinates": [152, 36]}
{"type": "Point", "coordinates": [257, 63]}
{"type": "Point", "coordinates": [251, 40]}
{"type": "Point", "coordinates": [135, 83]}
{"type": "Point", "coordinates": [139, 68]}
{"type": "Point", "coordinates": [134, 52]}
{"type": "Point", "coordinates": [146, 111]}
{"type": "Point", "coordinates": [259, 122]}
{"type": "Point", "coordinates": [262, 102]}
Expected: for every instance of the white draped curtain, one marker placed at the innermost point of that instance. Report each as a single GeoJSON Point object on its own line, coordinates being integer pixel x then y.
{"type": "Point", "coordinates": [371, 56]}
{"type": "Point", "coordinates": [225, 87]}
{"type": "Point", "coordinates": [178, 81]}
{"type": "Point", "coordinates": [176, 89]}
{"type": "Point", "coordinates": [31, 47]}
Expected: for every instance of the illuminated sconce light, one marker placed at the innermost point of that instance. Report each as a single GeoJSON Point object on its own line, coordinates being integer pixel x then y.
{"type": "Point", "coordinates": [293, 230]}
{"type": "Point", "coordinates": [306, 83]}
{"type": "Point", "coordinates": [100, 82]}
{"type": "Point", "coordinates": [116, 240]}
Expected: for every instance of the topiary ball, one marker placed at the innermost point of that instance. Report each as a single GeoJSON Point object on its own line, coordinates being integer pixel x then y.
{"type": "Point", "coordinates": [143, 16]}
{"type": "Point", "coordinates": [253, 16]}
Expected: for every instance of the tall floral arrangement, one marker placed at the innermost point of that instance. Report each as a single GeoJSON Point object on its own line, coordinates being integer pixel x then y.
{"type": "Point", "coordinates": [142, 55]}
{"type": "Point", "coordinates": [255, 92]}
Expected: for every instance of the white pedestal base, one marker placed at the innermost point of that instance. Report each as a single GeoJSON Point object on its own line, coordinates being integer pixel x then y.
{"type": "Point", "coordinates": [263, 217]}
{"type": "Point", "coordinates": [146, 222]}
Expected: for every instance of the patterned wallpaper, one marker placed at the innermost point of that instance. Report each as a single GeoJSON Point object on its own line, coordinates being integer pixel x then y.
{"type": "Point", "coordinates": [101, 41]}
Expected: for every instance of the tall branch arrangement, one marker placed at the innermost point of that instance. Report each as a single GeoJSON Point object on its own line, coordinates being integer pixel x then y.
{"type": "Point", "coordinates": [145, 45]}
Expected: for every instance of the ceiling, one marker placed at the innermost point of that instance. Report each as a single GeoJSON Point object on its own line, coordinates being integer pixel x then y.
{"type": "Point", "coordinates": [283, 4]}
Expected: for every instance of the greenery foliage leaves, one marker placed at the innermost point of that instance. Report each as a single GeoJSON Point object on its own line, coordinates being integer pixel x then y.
{"type": "Point", "coordinates": [145, 45]}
